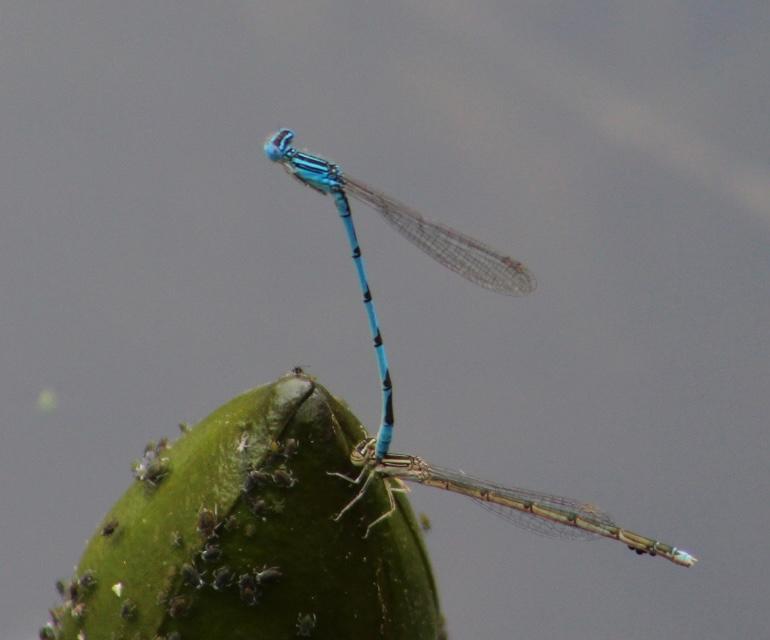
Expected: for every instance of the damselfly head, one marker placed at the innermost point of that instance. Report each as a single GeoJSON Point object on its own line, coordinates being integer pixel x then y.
{"type": "Point", "coordinates": [278, 144]}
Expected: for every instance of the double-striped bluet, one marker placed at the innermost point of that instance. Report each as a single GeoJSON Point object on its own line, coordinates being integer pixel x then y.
{"type": "Point", "coordinates": [548, 515]}
{"type": "Point", "coordinates": [470, 258]}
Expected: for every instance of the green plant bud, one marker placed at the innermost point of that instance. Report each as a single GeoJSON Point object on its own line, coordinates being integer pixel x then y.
{"type": "Point", "coordinates": [228, 533]}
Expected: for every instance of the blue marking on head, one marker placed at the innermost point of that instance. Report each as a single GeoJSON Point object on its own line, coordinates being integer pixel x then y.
{"type": "Point", "coordinates": [278, 144]}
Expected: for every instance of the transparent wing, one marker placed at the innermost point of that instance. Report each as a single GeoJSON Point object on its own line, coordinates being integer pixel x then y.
{"type": "Point", "coordinates": [525, 519]}
{"type": "Point", "coordinates": [471, 258]}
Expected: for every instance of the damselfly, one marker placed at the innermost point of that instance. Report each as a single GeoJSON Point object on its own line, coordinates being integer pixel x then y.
{"type": "Point", "coordinates": [546, 514]}
{"type": "Point", "coordinates": [471, 258]}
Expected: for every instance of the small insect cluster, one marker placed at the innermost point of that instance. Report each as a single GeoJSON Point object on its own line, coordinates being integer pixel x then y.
{"type": "Point", "coordinates": [272, 472]}
{"type": "Point", "coordinates": [206, 570]}
{"type": "Point", "coordinates": [209, 568]}
{"type": "Point", "coordinates": [74, 594]}
{"type": "Point", "coordinates": [152, 468]}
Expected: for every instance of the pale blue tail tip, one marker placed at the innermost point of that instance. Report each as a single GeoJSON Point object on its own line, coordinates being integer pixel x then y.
{"type": "Point", "coordinates": [686, 558]}
{"type": "Point", "coordinates": [278, 144]}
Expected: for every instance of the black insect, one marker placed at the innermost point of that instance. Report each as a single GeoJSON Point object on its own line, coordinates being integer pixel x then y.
{"type": "Point", "coordinates": [61, 587]}
{"type": "Point", "coordinates": [151, 469]}
{"type": "Point", "coordinates": [73, 590]}
{"type": "Point", "coordinates": [211, 553]}
{"type": "Point", "coordinates": [156, 471]}
{"type": "Point", "coordinates": [109, 528]}
{"type": "Point", "coordinates": [268, 575]}
{"type": "Point", "coordinates": [207, 523]}
{"type": "Point", "coordinates": [284, 479]}
{"type": "Point", "coordinates": [87, 581]}
{"type": "Point", "coordinates": [179, 606]}
{"type": "Point", "coordinates": [191, 577]}
{"type": "Point", "coordinates": [230, 523]}
{"type": "Point", "coordinates": [255, 479]}
{"type": "Point", "coordinates": [223, 578]}
{"type": "Point", "coordinates": [128, 610]}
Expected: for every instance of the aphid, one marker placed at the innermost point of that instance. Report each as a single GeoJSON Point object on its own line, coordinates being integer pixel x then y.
{"type": "Point", "coordinates": [78, 611]}
{"type": "Point", "coordinates": [117, 589]}
{"type": "Point", "coordinates": [269, 575]}
{"type": "Point", "coordinates": [150, 469]}
{"type": "Point", "coordinates": [149, 448]}
{"type": "Point", "coordinates": [184, 427]}
{"type": "Point", "coordinates": [248, 589]}
{"type": "Point", "coordinates": [230, 523]}
{"type": "Point", "coordinates": [87, 581]}
{"type": "Point", "coordinates": [191, 577]}
{"type": "Point", "coordinates": [306, 623]}
{"type": "Point", "coordinates": [207, 522]}
{"type": "Point", "coordinates": [179, 606]}
{"type": "Point", "coordinates": [162, 445]}
{"type": "Point", "coordinates": [297, 371]}
{"type": "Point", "coordinates": [211, 553]}
{"type": "Point", "coordinates": [156, 471]}
{"type": "Point", "coordinates": [109, 528]}
{"type": "Point", "coordinates": [254, 479]}
{"type": "Point", "coordinates": [72, 589]}
{"type": "Point", "coordinates": [425, 523]}
{"type": "Point", "coordinates": [284, 479]}
{"type": "Point", "coordinates": [223, 578]}
{"type": "Point", "coordinates": [61, 587]}
{"type": "Point", "coordinates": [128, 610]}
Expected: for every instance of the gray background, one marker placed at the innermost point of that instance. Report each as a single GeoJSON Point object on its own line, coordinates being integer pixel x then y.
{"type": "Point", "coordinates": [153, 264]}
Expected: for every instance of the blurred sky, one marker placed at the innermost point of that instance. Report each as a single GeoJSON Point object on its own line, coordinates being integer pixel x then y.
{"type": "Point", "coordinates": [153, 264]}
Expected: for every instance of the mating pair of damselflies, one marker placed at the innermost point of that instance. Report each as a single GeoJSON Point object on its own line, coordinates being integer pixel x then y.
{"type": "Point", "coordinates": [546, 514]}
